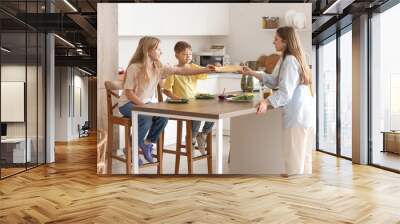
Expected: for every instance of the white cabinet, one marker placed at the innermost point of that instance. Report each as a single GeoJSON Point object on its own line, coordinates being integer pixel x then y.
{"type": "Point", "coordinates": [209, 85]}
{"type": "Point", "coordinates": [173, 19]}
{"type": "Point", "coordinates": [14, 151]}
{"type": "Point", "coordinates": [230, 84]}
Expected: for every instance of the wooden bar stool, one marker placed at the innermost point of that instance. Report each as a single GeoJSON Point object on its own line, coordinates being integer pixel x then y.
{"type": "Point", "coordinates": [188, 153]}
{"type": "Point", "coordinates": [113, 88]}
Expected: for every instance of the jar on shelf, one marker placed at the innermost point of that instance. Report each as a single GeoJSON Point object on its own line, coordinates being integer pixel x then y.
{"type": "Point", "coordinates": [270, 22]}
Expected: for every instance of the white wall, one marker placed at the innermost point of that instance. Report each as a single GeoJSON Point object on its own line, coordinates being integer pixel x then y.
{"type": "Point", "coordinates": [127, 47]}
{"type": "Point", "coordinates": [173, 19]}
{"type": "Point", "coordinates": [247, 40]}
{"type": "Point", "coordinates": [81, 84]}
{"type": "Point", "coordinates": [68, 80]}
{"type": "Point", "coordinates": [61, 103]}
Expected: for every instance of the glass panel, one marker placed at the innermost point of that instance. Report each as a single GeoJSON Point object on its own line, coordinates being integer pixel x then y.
{"type": "Point", "coordinates": [385, 86]}
{"type": "Point", "coordinates": [13, 85]}
{"type": "Point", "coordinates": [23, 83]}
{"type": "Point", "coordinates": [346, 93]}
{"type": "Point", "coordinates": [327, 97]}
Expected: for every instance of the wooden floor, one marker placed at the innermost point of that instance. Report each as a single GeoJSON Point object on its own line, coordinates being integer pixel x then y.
{"type": "Point", "coordinates": [387, 159]}
{"type": "Point", "coordinates": [199, 167]}
{"type": "Point", "coordinates": [69, 191]}
{"type": "Point", "coordinates": [10, 171]}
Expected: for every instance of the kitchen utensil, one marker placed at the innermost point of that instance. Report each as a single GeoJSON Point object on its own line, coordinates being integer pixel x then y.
{"type": "Point", "coordinates": [252, 65]}
{"type": "Point", "coordinates": [269, 62]}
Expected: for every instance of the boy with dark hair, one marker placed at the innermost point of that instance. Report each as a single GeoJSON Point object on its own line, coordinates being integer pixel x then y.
{"type": "Point", "coordinates": [178, 87]}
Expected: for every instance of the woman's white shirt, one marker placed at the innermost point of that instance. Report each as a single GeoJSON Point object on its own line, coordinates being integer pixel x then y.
{"type": "Point", "coordinates": [295, 98]}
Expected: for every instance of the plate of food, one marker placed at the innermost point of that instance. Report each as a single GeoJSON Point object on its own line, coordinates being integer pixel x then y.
{"type": "Point", "coordinates": [241, 98]}
{"type": "Point", "coordinates": [205, 96]}
{"type": "Point", "coordinates": [177, 101]}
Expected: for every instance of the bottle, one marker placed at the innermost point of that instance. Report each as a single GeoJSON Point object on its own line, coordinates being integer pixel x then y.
{"type": "Point", "coordinates": [261, 93]}
{"type": "Point", "coordinates": [243, 83]}
{"type": "Point", "coordinates": [250, 84]}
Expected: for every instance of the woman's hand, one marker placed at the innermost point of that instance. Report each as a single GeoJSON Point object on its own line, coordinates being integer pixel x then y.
{"type": "Point", "coordinates": [262, 106]}
{"type": "Point", "coordinates": [247, 71]}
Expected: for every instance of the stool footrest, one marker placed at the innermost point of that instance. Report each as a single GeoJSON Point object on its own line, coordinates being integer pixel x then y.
{"type": "Point", "coordinates": [150, 164]}
{"type": "Point", "coordinates": [119, 158]}
{"type": "Point", "coordinates": [200, 157]}
{"type": "Point", "coordinates": [169, 151]}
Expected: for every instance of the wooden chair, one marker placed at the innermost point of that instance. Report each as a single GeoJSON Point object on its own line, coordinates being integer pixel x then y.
{"type": "Point", "coordinates": [188, 153]}
{"type": "Point", "coordinates": [112, 88]}
{"type": "Point", "coordinates": [101, 151]}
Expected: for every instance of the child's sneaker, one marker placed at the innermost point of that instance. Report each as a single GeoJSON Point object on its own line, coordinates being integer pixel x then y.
{"type": "Point", "coordinates": [147, 150]}
{"type": "Point", "coordinates": [201, 143]}
{"type": "Point", "coordinates": [193, 141]}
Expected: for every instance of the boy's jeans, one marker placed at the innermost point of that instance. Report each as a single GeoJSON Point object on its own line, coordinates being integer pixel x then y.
{"type": "Point", "coordinates": [155, 124]}
{"type": "Point", "coordinates": [207, 128]}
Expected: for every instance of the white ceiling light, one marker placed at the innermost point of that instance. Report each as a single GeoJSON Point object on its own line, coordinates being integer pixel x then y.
{"type": "Point", "coordinates": [86, 72]}
{"type": "Point", "coordinates": [338, 6]}
{"type": "Point", "coordinates": [5, 50]}
{"type": "Point", "coordinates": [65, 41]}
{"type": "Point", "coordinates": [70, 5]}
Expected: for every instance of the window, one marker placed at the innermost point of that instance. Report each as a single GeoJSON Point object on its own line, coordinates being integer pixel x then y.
{"type": "Point", "coordinates": [327, 97]}
{"type": "Point", "coordinates": [346, 93]}
{"type": "Point", "coordinates": [385, 89]}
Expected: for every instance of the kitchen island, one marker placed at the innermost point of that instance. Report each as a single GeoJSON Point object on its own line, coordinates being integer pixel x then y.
{"type": "Point", "coordinates": [255, 140]}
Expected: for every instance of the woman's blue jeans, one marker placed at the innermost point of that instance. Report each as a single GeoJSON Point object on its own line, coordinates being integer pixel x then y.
{"type": "Point", "coordinates": [153, 125]}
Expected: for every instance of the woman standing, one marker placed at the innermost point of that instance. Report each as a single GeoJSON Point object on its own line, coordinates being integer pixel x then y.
{"type": "Point", "coordinates": [295, 97]}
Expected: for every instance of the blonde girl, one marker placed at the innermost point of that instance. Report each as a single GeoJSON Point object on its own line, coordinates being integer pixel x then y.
{"type": "Point", "coordinates": [143, 74]}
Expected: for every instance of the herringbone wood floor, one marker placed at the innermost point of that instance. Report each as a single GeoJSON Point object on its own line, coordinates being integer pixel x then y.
{"type": "Point", "coordinates": [69, 191]}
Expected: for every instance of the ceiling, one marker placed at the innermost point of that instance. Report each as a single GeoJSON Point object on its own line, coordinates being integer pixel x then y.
{"type": "Point", "coordinates": [75, 22]}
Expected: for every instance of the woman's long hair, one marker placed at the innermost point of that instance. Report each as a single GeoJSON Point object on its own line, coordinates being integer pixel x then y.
{"type": "Point", "coordinates": [294, 47]}
{"type": "Point", "coordinates": [141, 56]}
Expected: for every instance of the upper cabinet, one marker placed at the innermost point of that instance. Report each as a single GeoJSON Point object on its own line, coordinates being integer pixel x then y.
{"type": "Point", "coordinates": [173, 19]}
